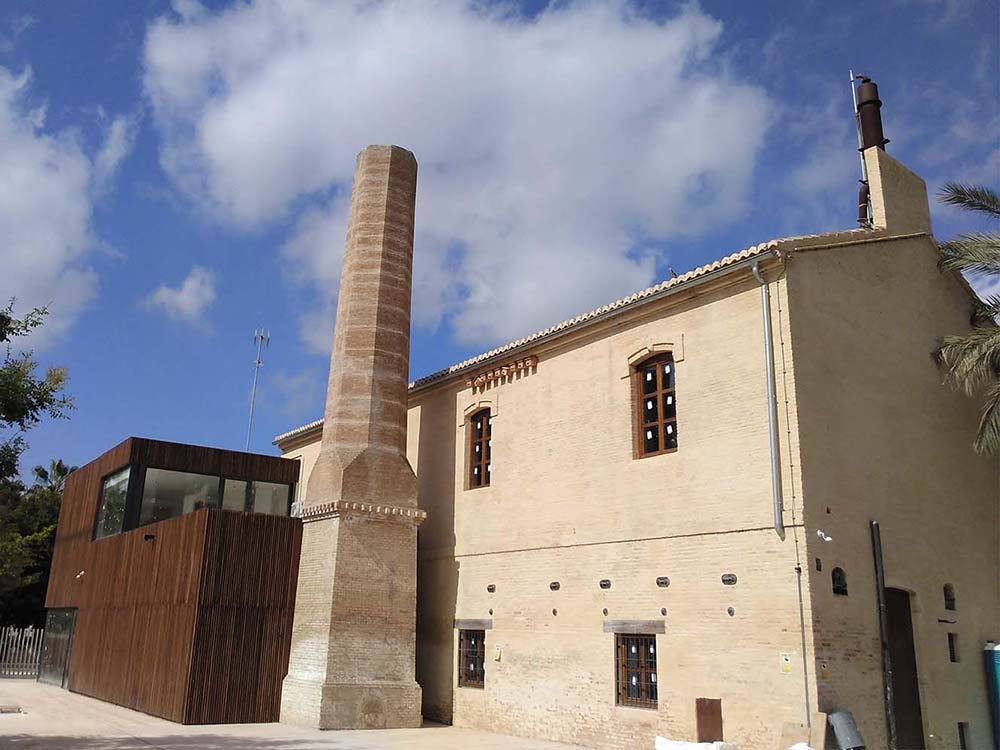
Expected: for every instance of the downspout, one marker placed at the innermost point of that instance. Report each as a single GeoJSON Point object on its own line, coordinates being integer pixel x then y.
{"type": "Point", "coordinates": [772, 401]}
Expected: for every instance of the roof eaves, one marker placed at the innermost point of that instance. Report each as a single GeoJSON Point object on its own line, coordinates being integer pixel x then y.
{"type": "Point", "coordinates": [774, 246]}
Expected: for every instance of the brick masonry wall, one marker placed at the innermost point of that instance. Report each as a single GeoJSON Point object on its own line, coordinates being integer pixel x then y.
{"type": "Point", "coordinates": [568, 502]}
{"type": "Point", "coordinates": [883, 439]}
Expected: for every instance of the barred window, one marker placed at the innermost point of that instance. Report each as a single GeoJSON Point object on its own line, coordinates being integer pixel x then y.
{"type": "Point", "coordinates": [471, 658]}
{"type": "Point", "coordinates": [656, 405]}
{"type": "Point", "coordinates": [480, 434]}
{"type": "Point", "coordinates": [949, 597]}
{"type": "Point", "coordinates": [635, 662]}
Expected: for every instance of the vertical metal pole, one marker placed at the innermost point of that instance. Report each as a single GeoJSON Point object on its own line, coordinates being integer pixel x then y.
{"type": "Point", "coordinates": [861, 153]}
{"type": "Point", "coordinates": [261, 337]}
{"type": "Point", "coordinates": [883, 622]}
{"type": "Point", "coordinates": [857, 129]}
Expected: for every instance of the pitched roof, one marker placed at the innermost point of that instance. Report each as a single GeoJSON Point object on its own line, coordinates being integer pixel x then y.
{"type": "Point", "coordinates": [771, 246]}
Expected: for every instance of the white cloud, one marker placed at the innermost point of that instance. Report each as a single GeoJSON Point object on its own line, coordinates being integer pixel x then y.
{"type": "Point", "coordinates": [189, 300]}
{"type": "Point", "coordinates": [117, 146]}
{"type": "Point", "coordinates": [15, 27]}
{"type": "Point", "coordinates": [45, 207]}
{"type": "Point", "coordinates": [551, 150]}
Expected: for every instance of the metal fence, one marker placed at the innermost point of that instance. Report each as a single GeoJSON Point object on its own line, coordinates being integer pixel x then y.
{"type": "Point", "coordinates": [20, 650]}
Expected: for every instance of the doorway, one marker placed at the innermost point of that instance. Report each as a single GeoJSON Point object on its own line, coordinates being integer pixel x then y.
{"type": "Point", "coordinates": [905, 687]}
{"type": "Point", "coordinates": [57, 645]}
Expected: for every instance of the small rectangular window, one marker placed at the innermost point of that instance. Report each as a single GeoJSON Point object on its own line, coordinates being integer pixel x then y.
{"type": "Point", "coordinates": [635, 670]}
{"type": "Point", "coordinates": [471, 658]}
{"type": "Point", "coordinates": [953, 647]}
{"type": "Point", "coordinates": [111, 510]}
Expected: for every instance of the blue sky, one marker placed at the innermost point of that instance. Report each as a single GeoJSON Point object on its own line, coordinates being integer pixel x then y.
{"type": "Point", "coordinates": [173, 175]}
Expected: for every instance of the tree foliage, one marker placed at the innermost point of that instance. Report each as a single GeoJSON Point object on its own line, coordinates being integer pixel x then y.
{"type": "Point", "coordinates": [972, 359]}
{"type": "Point", "coordinates": [28, 515]}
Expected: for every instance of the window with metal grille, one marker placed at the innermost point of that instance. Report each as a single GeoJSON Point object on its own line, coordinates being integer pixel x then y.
{"type": "Point", "coordinates": [656, 406]}
{"type": "Point", "coordinates": [949, 597]}
{"type": "Point", "coordinates": [480, 437]}
{"type": "Point", "coordinates": [471, 658]}
{"type": "Point", "coordinates": [635, 670]}
{"type": "Point", "coordinates": [953, 647]}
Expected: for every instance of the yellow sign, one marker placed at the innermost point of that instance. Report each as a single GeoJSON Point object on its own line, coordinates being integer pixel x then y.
{"type": "Point", "coordinates": [786, 664]}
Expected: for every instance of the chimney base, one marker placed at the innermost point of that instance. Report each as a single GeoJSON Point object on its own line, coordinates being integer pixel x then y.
{"type": "Point", "coordinates": [324, 705]}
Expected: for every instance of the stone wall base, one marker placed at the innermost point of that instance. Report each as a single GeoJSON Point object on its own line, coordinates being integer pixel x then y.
{"type": "Point", "coordinates": [319, 705]}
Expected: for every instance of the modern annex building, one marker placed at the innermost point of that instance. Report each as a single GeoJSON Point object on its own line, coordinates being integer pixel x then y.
{"type": "Point", "coordinates": [719, 508]}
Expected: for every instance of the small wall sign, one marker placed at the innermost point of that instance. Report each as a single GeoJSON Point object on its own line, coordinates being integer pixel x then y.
{"type": "Point", "coordinates": [786, 664]}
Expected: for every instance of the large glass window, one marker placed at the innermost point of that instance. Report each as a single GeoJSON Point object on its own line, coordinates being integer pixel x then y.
{"type": "Point", "coordinates": [234, 494]}
{"type": "Point", "coordinates": [57, 642]}
{"type": "Point", "coordinates": [166, 494]}
{"type": "Point", "coordinates": [269, 498]}
{"type": "Point", "coordinates": [111, 511]}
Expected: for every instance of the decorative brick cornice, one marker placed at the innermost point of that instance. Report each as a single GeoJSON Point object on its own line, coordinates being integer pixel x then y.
{"type": "Point", "coordinates": [372, 511]}
{"type": "Point", "coordinates": [524, 365]}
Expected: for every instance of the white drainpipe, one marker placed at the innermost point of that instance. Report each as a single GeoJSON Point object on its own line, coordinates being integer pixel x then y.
{"type": "Point", "coordinates": [772, 401]}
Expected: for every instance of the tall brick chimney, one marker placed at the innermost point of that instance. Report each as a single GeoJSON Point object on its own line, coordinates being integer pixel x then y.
{"type": "Point", "coordinates": [353, 636]}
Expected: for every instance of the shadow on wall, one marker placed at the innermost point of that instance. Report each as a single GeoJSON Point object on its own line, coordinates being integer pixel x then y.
{"type": "Point", "coordinates": [437, 570]}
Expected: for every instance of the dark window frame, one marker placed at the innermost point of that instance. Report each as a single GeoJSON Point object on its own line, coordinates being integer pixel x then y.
{"type": "Point", "coordinates": [646, 668]}
{"type": "Point", "coordinates": [468, 648]}
{"type": "Point", "coordinates": [126, 511]}
{"type": "Point", "coordinates": [642, 422]}
{"type": "Point", "coordinates": [482, 458]}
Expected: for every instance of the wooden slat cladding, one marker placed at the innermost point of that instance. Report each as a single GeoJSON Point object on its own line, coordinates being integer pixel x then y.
{"type": "Point", "coordinates": [189, 618]}
{"type": "Point", "coordinates": [215, 461]}
{"type": "Point", "coordinates": [73, 549]}
{"type": "Point", "coordinates": [244, 622]}
{"type": "Point", "coordinates": [137, 605]}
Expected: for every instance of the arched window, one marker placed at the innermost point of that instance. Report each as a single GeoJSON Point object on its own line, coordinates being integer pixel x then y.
{"type": "Point", "coordinates": [839, 578]}
{"type": "Point", "coordinates": [656, 406]}
{"type": "Point", "coordinates": [949, 597]}
{"type": "Point", "coordinates": [480, 433]}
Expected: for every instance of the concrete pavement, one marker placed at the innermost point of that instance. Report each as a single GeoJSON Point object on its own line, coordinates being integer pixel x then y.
{"type": "Point", "coordinates": [56, 719]}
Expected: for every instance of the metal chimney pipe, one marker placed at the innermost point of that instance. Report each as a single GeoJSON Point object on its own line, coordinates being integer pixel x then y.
{"type": "Point", "coordinates": [870, 115]}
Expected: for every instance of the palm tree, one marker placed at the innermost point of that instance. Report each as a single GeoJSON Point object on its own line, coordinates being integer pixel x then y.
{"type": "Point", "coordinates": [54, 477]}
{"type": "Point", "coordinates": [973, 359]}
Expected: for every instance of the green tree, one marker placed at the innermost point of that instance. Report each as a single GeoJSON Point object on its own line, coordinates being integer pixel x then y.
{"type": "Point", "coordinates": [28, 516]}
{"type": "Point", "coordinates": [54, 477]}
{"type": "Point", "coordinates": [972, 359]}
{"type": "Point", "coordinates": [25, 397]}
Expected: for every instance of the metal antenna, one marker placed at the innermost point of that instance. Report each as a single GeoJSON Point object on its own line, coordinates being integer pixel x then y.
{"type": "Point", "coordinates": [261, 339]}
{"type": "Point", "coordinates": [857, 128]}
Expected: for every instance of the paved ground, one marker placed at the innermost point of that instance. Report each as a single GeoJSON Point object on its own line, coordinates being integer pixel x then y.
{"type": "Point", "coordinates": [56, 719]}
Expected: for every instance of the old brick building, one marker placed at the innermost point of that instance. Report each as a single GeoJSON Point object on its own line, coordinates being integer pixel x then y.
{"type": "Point", "coordinates": [633, 529]}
